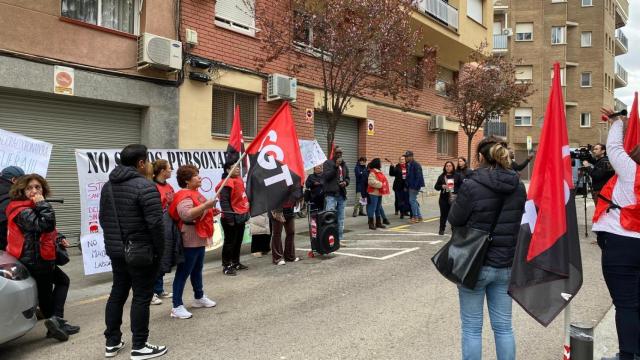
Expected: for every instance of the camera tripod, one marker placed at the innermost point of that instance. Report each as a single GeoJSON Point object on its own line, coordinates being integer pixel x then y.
{"type": "Point", "coordinates": [585, 179]}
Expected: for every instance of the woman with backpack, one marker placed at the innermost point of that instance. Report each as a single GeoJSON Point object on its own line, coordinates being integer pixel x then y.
{"type": "Point", "coordinates": [493, 194]}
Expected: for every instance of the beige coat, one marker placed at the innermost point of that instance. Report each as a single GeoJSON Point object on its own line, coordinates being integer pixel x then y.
{"type": "Point", "coordinates": [259, 224]}
{"type": "Point", "coordinates": [374, 183]}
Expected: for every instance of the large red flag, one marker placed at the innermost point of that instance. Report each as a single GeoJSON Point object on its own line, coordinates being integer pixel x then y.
{"type": "Point", "coordinates": [276, 169]}
{"type": "Point", "coordinates": [235, 149]}
{"type": "Point", "coordinates": [547, 269]}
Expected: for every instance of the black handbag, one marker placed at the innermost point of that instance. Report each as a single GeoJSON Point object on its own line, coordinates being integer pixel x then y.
{"type": "Point", "coordinates": [137, 253]}
{"type": "Point", "coordinates": [460, 260]}
{"type": "Point", "coordinates": [62, 256]}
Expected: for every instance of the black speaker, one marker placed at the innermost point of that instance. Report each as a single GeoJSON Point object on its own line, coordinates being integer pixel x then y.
{"type": "Point", "coordinates": [327, 218]}
{"type": "Point", "coordinates": [324, 239]}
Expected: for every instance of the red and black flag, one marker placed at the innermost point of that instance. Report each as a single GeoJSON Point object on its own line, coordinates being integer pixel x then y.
{"type": "Point", "coordinates": [547, 269]}
{"type": "Point", "coordinates": [276, 170]}
{"type": "Point", "coordinates": [235, 149]}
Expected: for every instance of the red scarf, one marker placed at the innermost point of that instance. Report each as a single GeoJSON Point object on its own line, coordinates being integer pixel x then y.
{"type": "Point", "coordinates": [403, 168]}
{"type": "Point", "coordinates": [15, 236]}
{"type": "Point", "coordinates": [384, 190]}
{"type": "Point", "coordinates": [203, 224]}
{"type": "Point", "coordinates": [629, 215]}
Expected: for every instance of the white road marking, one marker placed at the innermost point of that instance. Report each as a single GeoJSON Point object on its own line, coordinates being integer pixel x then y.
{"type": "Point", "coordinates": [402, 251]}
{"type": "Point", "coordinates": [432, 242]}
{"type": "Point", "coordinates": [400, 234]}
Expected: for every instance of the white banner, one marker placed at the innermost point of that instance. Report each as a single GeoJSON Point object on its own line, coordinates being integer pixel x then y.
{"type": "Point", "coordinates": [312, 153]}
{"type": "Point", "coordinates": [29, 154]}
{"type": "Point", "coordinates": [94, 167]}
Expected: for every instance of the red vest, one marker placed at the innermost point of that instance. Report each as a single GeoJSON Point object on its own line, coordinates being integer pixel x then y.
{"type": "Point", "coordinates": [384, 190]}
{"type": "Point", "coordinates": [629, 215]}
{"type": "Point", "coordinates": [239, 201]}
{"type": "Point", "coordinates": [166, 193]}
{"type": "Point", "coordinates": [15, 236]}
{"type": "Point", "coordinates": [204, 224]}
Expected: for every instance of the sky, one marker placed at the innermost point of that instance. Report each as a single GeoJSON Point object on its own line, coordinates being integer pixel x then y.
{"type": "Point", "coordinates": [631, 60]}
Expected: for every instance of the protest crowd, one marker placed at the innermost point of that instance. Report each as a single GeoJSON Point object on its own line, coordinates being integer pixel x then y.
{"type": "Point", "coordinates": [151, 229]}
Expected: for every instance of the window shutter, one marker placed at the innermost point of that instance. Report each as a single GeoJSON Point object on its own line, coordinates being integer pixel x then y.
{"type": "Point", "coordinates": [247, 105]}
{"type": "Point", "coordinates": [524, 28]}
{"type": "Point", "coordinates": [524, 112]}
{"type": "Point", "coordinates": [236, 11]}
{"type": "Point", "coordinates": [524, 72]}
{"type": "Point", "coordinates": [474, 10]}
{"type": "Point", "coordinates": [222, 117]}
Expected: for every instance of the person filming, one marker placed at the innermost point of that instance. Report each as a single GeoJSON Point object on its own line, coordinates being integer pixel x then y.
{"type": "Point", "coordinates": [599, 168]}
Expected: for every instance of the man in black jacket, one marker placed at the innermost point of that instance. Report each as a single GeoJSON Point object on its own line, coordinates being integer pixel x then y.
{"type": "Point", "coordinates": [8, 177]}
{"type": "Point", "coordinates": [519, 167]}
{"type": "Point", "coordinates": [601, 171]}
{"type": "Point", "coordinates": [131, 213]}
{"type": "Point", "coordinates": [336, 180]}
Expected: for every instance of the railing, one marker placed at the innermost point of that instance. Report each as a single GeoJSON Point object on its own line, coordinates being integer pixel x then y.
{"type": "Point", "coordinates": [500, 42]}
{"type": "Point", "coordinates": [441, 11]}
{"type": "Point", "coordinates": [620, 36]}
{"type": "Point", "coordinates": [493, 128]}
{"type": "Point", "coordinates": [621, 73]}
{"type": "Point", "coordinates": [619, 105]}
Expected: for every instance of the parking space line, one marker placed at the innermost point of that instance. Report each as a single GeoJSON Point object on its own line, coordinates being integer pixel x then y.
{"type": "Point", "coordinates": [399, 253]}
{"type": "Point", "coordinates": [432, 242]}
{"type": "Point", "coordinates": [403, 234]}
{"type": "Point", "coordinates": [387, 257]}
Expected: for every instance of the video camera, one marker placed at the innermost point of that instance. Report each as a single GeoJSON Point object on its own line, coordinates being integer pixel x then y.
{"type": "Point", "coordinates": [582, 153]}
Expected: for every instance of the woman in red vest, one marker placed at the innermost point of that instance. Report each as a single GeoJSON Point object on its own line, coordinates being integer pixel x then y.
{"type": "Point", "coordinates": [162, 172]}
{"type": "Point", "coordinates": [194, 215]}
{"type": "Point", "coordinates": [378, 187]}
{"type": "Point", "coordinates": [31, 238]}
{"type": "Point", "coordinates": [235, 214]}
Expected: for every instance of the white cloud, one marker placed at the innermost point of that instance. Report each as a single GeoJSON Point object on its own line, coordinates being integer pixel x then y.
{"type": "Point", "coordinates": [631, 60]}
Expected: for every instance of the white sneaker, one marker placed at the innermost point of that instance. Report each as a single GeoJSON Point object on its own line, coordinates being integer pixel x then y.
{"type": "Point", "coordinates": [156, 300]}
{"type": "Point", "coordinates": [149, 351]}
{"type": "Point", "coordinates": [166, 294]}
{"type": "Point", "coordinates": [180, 312]}
{"type": "Point", "coordinates": [281, 262]}
{"type": "Point", "coordinates": [203, 302]}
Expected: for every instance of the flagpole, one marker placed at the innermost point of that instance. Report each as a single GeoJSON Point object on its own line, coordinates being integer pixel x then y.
{"type": "Point", "coordinates": [228, 177]}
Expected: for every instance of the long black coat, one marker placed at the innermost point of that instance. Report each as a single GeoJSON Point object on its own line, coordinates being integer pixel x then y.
{"type": "Point", "coordinates": [139, 211]}
{"type": "Point", "coordinates": [477, 205]}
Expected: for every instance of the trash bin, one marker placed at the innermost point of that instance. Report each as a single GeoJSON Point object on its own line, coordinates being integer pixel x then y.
{"type": "Point", "coordinates": [581, 341]}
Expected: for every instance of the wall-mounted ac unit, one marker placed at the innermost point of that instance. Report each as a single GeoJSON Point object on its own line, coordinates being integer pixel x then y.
{"type": "Point", "coordinates": [281, 87]}
{"type": "Point", "coordinates": [159, 52]}
{"type": "Point", "coordinates": [437, 122]}
{"type": "Point", "coordinates": [507, 31]}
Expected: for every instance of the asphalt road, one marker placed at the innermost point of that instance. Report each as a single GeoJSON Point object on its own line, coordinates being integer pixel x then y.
{"type": "Point", "coordinates": [379, 298]}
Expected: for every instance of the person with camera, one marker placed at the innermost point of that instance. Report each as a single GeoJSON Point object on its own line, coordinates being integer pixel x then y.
{"type": "Point", "coordinates": [600, 172]}
{"type": "Point", "coordinates": [617, 225]}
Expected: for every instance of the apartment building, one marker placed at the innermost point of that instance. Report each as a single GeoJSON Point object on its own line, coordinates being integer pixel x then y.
{"type": "Point", "coordinates": [70, 75]}
{"type": "Point", "coordinates": [584, 36]}
{"type": "Point", "coordinates": [226, 36]}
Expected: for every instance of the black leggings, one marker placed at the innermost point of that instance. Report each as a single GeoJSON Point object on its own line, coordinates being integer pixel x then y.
{"type": "Point", "coordinates": [444, 211]}
{"type": "Point", "coordinates": [233, 235]}
{"type": "Point", "coordinates": [53, 287]}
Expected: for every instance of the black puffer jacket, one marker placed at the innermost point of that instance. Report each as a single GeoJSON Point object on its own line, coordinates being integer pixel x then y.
{"type": "Point", "coordinates": [331, 178]}
{"type": "Point", "coordinates": [477, 204]}
{"type": "Point", "coordinates": [138, 209]}
{"type": "Point", "coordinates": [33, 222]}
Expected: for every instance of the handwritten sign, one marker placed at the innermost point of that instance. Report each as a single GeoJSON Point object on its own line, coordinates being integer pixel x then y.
{"type": "Point", "coordinates": [312, 153]}
{"type": "Point", "coordinates": [29, 154]}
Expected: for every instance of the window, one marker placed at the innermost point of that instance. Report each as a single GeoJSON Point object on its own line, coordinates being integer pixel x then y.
{"type": "Point", "coordinates": [236, 15]}
{"type": "Point", "coordinates": [474, 10]}
{"type": "Point", "coordinates": [585, 79]}
{"type": "Point", "coordinates": [523, 117]}
{"type": "Point", "coordinates": [563, 76]}
{"type": "Point", "coordinates": [524, 73]}
{"type": "Point", "coordinates": [585, 39]}
{"type": "Point", "coordinates": [224, 103]}
{"type": "Point", "coordinates": [585, 119]}
{"type": "Point", "coordinates": [558, 1]}
{"type": "Point", "coordinates": [120, 15]}
{"type": "Point", "coordinates": [558, 35]}
{"type": "Point", "coordinates": [524, 32]}
{"type": "Point", "coordinates": [587, 3]}
{"type": "Point", "coordinates": [606, 82]}
{"type": "Point", "coordinates": [447, 143]}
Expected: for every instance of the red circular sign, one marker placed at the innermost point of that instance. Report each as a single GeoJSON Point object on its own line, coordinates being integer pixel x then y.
{"type": "Point", "coordinates": [64, 79]}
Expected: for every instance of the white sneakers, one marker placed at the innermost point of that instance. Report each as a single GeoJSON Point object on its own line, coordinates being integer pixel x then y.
{"type": "Point", "coordinates": [149, 351]}
{"type": "Point", "coordinates": [204, 302]}
{"type": "Point", "coordinates": [281, 262]}
{"type": "Point", "coordinates": [156, 300]}
{"type": "Point", "coordinates": [181, 312]}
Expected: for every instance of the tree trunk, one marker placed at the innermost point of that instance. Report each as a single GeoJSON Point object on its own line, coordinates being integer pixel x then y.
{"type": "Point", "coordinates": [331, 131]}
{"type": "Point", "coordinates": [469, 140]}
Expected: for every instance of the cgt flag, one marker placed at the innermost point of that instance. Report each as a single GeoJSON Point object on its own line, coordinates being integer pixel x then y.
{"type": "Point", "coordinates": [276, 170]}
{"type": "Point", "coordinates": [235, 149]}
{"type": "Point", "coordinates": [547, 269]}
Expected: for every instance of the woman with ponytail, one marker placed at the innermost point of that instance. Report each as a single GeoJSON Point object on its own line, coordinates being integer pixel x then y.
{"type": "Point", "coordinates": [493, 193]}
{"type": "Point", "coordinates": [162, 172]}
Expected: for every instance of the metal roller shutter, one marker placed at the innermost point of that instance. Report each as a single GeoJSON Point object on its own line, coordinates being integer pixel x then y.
{"type": "Point", "coordinates": [347, 138]}
{"type": "Point", "coordinates": [68, 124]}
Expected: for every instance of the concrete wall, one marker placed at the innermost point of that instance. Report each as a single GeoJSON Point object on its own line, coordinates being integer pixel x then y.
{"type": "Point", "coordinates": [160, 103]}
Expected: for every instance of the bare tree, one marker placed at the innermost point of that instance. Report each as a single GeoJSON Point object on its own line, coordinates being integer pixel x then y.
{"type": "Point", "coordinates": [486, 86]}
{"type": "Point", "coordinates": [361, 48]}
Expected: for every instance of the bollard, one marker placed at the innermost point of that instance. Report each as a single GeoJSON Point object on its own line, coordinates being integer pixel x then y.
{"type": "Point", "coordinates": [581, 341]}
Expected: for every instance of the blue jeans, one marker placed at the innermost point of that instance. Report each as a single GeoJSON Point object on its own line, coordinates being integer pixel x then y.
{"type": "Point", "coordinates": [415, 205]}
{"type": "Point", "coordinates": [158, 286]}
{"type": "Point", "coordinates": [494, 283]}
{"type": "Point", "coordinates": [190, 268]}
{"type": "Point", "coordinates": [374, 207]}
{"type": "Point", "coordinates": [336, 203]}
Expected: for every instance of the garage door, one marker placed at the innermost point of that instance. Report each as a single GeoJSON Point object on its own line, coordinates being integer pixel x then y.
{"type": "Point", "coordinates": [347, 138]}
{"type": "Point", "coordinates": [68, 124]}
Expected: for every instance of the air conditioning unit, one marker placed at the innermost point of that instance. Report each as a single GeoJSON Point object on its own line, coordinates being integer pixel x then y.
{"type": "Point", "coordinates": [437, 122]}
{"type": "Point", "coordinates": [159, 52]}
{"type": "Point", "coordinates": [281, 87]}
{"type": "Point", "coordinates": [507, 31]}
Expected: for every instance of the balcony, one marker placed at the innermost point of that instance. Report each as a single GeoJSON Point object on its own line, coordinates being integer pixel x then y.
{"type": "Point", "coordinates": [622, 13]}
{"type": "Point", "coordinates": [441, 11]}
{"type": "Point", "coordinates": [619, 105]}
{"type": "Point", "coordinates": [500, 43]}
{"type": "Point", "coordinates": [622, 44]}
{"type": "Point", "coordinates": [621, 76]}
{"type": "Point", "coordinates": [495, 128]}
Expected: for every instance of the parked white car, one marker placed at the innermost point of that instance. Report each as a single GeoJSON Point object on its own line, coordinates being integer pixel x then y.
{"type": "Point", "coordinates": [18, 299]}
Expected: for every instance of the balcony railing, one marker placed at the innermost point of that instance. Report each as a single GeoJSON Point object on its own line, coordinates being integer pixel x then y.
{"type": "Point", "coordinates": [619, 105]}
{"type": "Point", "coordinates": [494, 128]}
{"type": "Point", "coordinates": [440, 10]}
{"type": "Point", "coordinates": [500, 42]}
{"type": "Point", "coordinates": [622, 13]}
{"type": "Point", "coordinates": [621, 38]}
{"type": "Point", "coordinates": [621, 76]}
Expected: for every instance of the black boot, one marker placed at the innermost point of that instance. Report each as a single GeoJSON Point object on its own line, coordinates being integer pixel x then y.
{"type": "Point", "coordinates": [385, 221]}
{"type": "Point", "coordinates": [379, 223]}
{"type": "Point", "coordinates": [55, 329]}
{"type": "Point", "coordinates": [371, 225]}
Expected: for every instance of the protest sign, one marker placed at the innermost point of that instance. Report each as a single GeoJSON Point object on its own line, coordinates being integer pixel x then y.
{"type": "Point", "coordinates": [94, 166]}
{"type": "Point", "coordinates": [29, 154]}
{"type": "Point", "coordinates": [312, 153]}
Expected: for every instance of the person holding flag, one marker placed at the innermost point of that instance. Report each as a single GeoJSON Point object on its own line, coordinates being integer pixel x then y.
{"type": "Point", "coordinates": [617, 225]}
{"type": "Point", "coordinates": [235, 148]}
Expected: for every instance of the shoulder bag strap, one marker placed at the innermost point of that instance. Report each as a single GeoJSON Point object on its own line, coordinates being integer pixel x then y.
{"type": "Point", "coordinates": [115, 213]}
